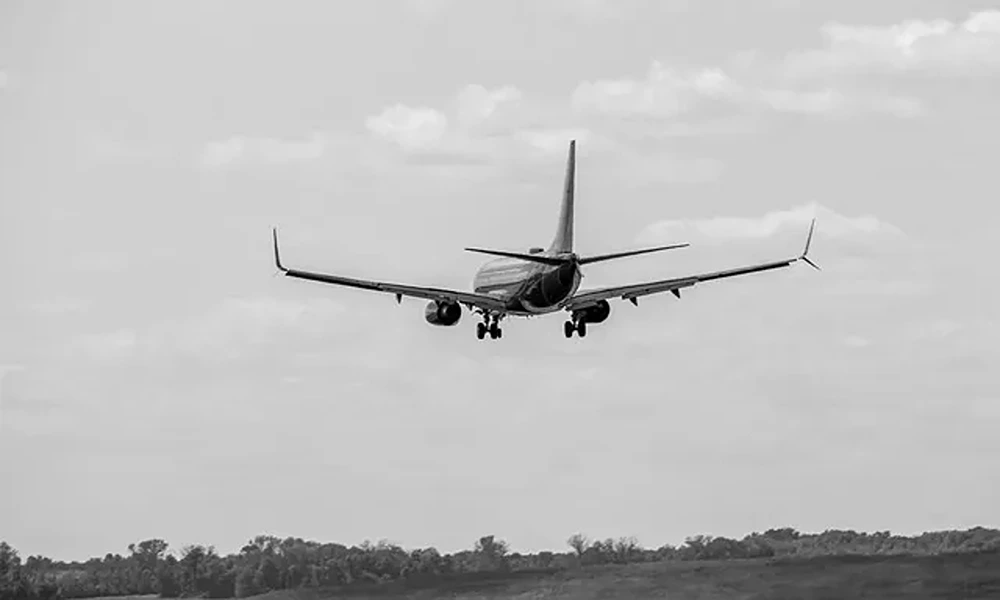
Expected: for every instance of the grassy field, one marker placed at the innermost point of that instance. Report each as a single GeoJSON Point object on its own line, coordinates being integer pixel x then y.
{"type": "Point", "coordinates": [146, 597]}
{"type": "Point", "coordinates": [834, 578]}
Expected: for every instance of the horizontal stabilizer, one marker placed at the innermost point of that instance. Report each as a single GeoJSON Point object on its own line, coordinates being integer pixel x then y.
{"type": "Point", "coordinates": [545, 260]}
{"type": "Point", "coordinates": [586, 260]}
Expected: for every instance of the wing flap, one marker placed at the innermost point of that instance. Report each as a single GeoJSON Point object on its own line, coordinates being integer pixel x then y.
{"type": "Point", "coordinates": [428, 293]}
{"type": "Point", "coordinates": [633, 291]}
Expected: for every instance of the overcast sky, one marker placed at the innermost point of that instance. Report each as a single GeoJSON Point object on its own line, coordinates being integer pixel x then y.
{"type": "Point", "coordinates": [158, 380]}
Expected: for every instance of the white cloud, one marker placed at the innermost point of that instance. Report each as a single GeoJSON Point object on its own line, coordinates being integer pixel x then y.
{"type": "Point", "coordinates": [100, 261]}
{"type": "Point", "coordinates": [101, 145]}
{"type": "Point", "coordinates": [410, 128]}
{"type": "Point", "coordinates": [828, 223]}
{"type": "Point", "coordinates": [912, 45]}
{"type": "Point", "coordinates": [664, 92]}
{"type": "Point", "coordinates": [418, 129]}
{"type": "Point", "coordinates": [668, 92]}
{"type": "Point", "coordinates": [227, 331]}
{"type": "Point", "coordinates": [803, 102]}
{"type": "Point", "coordinates": [9, 368]}
{"type": "Point", "coordinates": [934, 330]}
{"type": "Point", "coordinates": [60, 306]}
{"type": "Point", "coordinates": [832, 102]}
{"type": "Point", "coordinates": [556, 141]}
{"type": "Point", "coordinates": [238, 324]}
{"type": "Point", "coordinates": [107, 148]}
{"type": "Point", "coordinates": [4, 78]}
{"type": "Point", "coordinates": [588, 10]}
{"type": "Point", "coordinates": [856, 341]}
{"type": "Point", "coordinates": [477, 104]}
{"type": "Point", "coordinates": [255, 150]}
{"type": "Point", "coordinates": [620, 159]}
{"type": "Point", "coordinates": [485, 125]}
{"type": "Point", "coordinates": [485, 133]}
{"type": "Point", "coordinates": [728, 125]}
{"type": "Point", "coordinates": [429, 7]}
{"type": "Point", "coordinates": [110, 346]}
{"type": "Point", "coordinates": [880, 286]}
{"type": "Point", "coordinates": [642, 168]}
{"type": "Point", "coordinates": [900, 106]}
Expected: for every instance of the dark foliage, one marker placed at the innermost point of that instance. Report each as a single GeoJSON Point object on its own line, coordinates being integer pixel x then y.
{"type": "Point", "coordinates": [268, 564]}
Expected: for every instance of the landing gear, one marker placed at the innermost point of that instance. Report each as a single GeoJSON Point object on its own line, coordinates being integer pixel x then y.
{"type": "Point", "coordinates": [490, 324]}
{"type": "Point", "coordinates": [577, 324]}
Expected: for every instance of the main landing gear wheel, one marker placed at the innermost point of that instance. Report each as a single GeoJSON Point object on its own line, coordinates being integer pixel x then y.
{"type": "Point", "coordinates": [491, 326]}
{"type": "Point", "coordinates": [579, 326]}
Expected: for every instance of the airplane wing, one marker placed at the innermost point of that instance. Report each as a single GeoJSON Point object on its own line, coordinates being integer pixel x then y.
{"type": "Point", "coordinates": [469, 299]}
{"type": "Point", "coordinates": [632, 292]}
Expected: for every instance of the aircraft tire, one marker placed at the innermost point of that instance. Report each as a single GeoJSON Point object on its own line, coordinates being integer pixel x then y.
{"type": "Point", "coordinates": [581, 328]}
{"type": "Point", "coordinates": [568, 329]}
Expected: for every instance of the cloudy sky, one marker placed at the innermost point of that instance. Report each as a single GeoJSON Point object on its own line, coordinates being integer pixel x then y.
{"type": "Point", "coordinates": [159, 380]}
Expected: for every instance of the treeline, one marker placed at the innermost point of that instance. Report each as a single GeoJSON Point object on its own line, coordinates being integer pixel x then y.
{"type": "Point", "coordinates": [269, 563]}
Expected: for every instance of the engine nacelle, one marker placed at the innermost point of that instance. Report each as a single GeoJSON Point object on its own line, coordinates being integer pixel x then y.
{"type": "Point", "coordinates": [598, 313]}
{"type": "Point", "coordinates": [443, 314]}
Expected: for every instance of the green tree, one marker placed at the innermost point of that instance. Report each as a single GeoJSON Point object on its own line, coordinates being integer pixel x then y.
{"type": "Point", "coordinates": [491, 553]}
{"type": "Point", "coordinates": [169, 577]}
{"type": "Point", "coordinates": [246, 584]}
{"type": "Point", "coordinates": [145, 558]}
{"type": "Point", "coordinates": [578, 542]}
{"type": "Point", "coordinates": [14, 582]}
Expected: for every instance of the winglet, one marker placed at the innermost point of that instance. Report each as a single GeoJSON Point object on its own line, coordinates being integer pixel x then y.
{"type": "Point", "coordinates": [805, 252]}
{"type": "Point", "coordinates": [277, 257]}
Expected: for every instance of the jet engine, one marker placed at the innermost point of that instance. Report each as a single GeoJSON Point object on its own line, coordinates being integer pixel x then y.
{"type": "Point", "coordinates": [597, 313]}
{"type": "Point", "coordinates": [443, 314]}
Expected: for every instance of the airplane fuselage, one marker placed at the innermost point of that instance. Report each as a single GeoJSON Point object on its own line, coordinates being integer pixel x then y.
{"type": "Point", "coordinates": [541, 281]}
{"type": "Point", "coordinates": [528, 288]}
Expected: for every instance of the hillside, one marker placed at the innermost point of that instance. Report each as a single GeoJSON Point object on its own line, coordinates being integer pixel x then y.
{"type": "Point", "coordinates": [840, 578]}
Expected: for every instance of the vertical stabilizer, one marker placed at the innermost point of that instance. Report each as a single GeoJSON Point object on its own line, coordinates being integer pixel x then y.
{"type": "Point", "coordinates": [563, 240]}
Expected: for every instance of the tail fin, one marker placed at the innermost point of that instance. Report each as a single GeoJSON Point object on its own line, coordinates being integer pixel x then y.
{"type": "Point", "coordinates": [563, 240]}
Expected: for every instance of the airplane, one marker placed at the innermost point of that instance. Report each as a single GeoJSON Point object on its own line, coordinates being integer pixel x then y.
{"type": "Point", "coordinates": [541, 281]}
